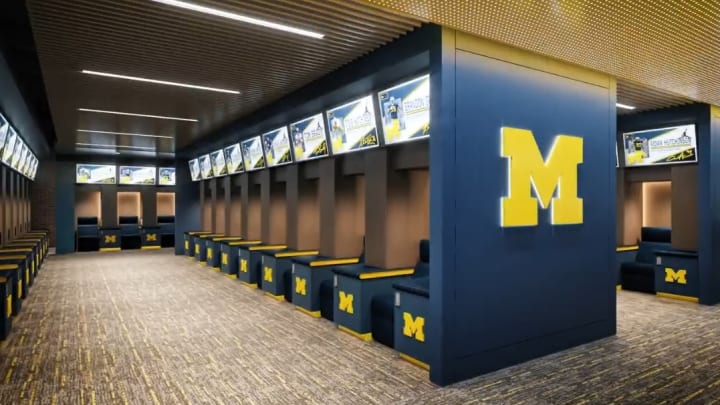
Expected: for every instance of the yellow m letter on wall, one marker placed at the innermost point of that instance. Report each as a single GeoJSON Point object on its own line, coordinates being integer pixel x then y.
{"type": "Point", "coordinates": [414, 327]}
{"type": "Point", "coordinates": [528, 171]}
{"type": "Point", "coordinates": [672, 276]}
{"type": "Point", "coordinates": [345, 303]}
{"type": "Point", "coordinates": [300, 286]}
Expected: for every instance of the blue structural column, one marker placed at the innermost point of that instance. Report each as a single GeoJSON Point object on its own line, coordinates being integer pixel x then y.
{"type": "Point", "coordinates": [709, 205]}
{"type": "Point", "coordinates": [188, 210]}
{"type": "Point", "coordinates": [65, 207]}
{"type": "Point", "coordinates": [522, 207]}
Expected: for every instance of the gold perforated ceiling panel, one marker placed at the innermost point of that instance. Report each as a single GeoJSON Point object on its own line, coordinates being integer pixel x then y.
{"type": "Point", "coordinates": [144, 38]}
{"type": "Point", "coordinates": [671, 45]}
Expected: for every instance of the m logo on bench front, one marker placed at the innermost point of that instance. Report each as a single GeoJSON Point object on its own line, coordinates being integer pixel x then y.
{"type": "Point", "coordinates": [243, 265]}
{"type": "Point", "coordinates": [152, 237]}
{"type": "Point", "coordinates": [414, 327]}
{"type": "Point", "coordinates": [675, 277]}
{"type": "Point", "coordinates": [268, 276]}
{"type": "Point", "coordinates": [346, 302]}
{"type": "Point", "coordinates": [528, 170]}
{"type": "Point", "coordinates": [110, 239]}
{"type": "Point", "coordinates": [224, 259]}
{"type": "Point", "coordinates": [300, 286]}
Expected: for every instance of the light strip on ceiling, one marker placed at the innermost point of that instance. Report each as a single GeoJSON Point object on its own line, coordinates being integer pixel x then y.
{"type": "Point", "coordinates": [238, 17]}
{"type": "Point", "coordinates": [624, 106]}
{"type": "Point", "coordinates": [98, 145]}
{"type": "Point", "coordinates": [125, 133]}
{"type": "Point", "coordinates": [162, 117]}
{"type": "Point", "coordinates": [146, 80]}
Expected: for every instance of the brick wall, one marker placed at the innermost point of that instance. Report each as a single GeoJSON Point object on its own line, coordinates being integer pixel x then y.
{"type": "Point", "coordinates": [43, 199]}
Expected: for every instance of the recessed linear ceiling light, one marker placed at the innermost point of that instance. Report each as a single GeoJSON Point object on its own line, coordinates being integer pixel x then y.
{"type": "Point", "coordinates": [125, 133]}
{"type": "Point", "coordinates": [137, 115]}
{"type": "Point", "coordinates": [98, 145]}
{"type": "Point", "coordinates": [624, 106]}
{"type": "Point", "coordinates": [239, 17]}
{"type": "Point", "coordinates": [143, 79]}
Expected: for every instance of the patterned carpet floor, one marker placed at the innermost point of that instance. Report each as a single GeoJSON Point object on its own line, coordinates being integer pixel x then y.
{"type": "Point", "coordinates": [150, 327]}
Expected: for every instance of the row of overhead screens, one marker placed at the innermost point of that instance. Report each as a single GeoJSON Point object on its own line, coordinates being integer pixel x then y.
{"type": "Point", "coordinates": [127, 175]}
{"type": "Point", "coordinates": [404, 112]}
{"type": "Point", "coordinates": [14, 152]}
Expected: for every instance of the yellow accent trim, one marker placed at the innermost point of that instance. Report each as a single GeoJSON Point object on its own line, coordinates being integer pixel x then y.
{"type": "Point", "coordinates": [267, 247]}
{"type": "Point", "coordinates": [314, 314]}
{"type": "Point", "coordinates": [415, 361]}
{"type": "Point", "coordinates": [12, 257]}
{"type": "Point", "coordinates": [231, 276]}
{"type": "Point", "coordinates": [245, 243]}
{"type": "Point", "coordinates": [678, 297]}
{"type": "Point", "coordinates": [618, 287]}
{"type": "Point", "coordinates": [212, 235]}
{"type": "Point", "coordinates": [275, 297]}
{"type": "Point", "coordinates": [385, 274]}
{"type": "Point", "coordinates": [298, 253]}
{"type": "Point", "coordinates": [198, 233]}
{"type": "Point", "coordinates": [110, 249]}
{"type": "Point", "coordinates": [334, 262]}
{"type": "Point", "coordinates": [216, 268]}
{"type": "Point", "coordinates": [226, 238]}
{"type": "Point", "coordinates": [150, 247]}
{"type": "Point", "coordinates": [15, 250]}
{"type": "Point", "coordinates": [246, 284]}
{"type": "Point", "coordinates": [8, 267]}
{"type": "Point", "coordinates": [626, 248]}
{"type": "Point", "coordinates": [202, 262]}
{"type": "Point", "coordinates": [362, 336]}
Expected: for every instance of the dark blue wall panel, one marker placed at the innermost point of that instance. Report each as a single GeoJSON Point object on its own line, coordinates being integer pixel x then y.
{"type": "Point", "coordinates": [188, 212]}
{"type": "Point", "coordinates": [65, 207]}
{"type": "Point", "coordinates": [512, 294]}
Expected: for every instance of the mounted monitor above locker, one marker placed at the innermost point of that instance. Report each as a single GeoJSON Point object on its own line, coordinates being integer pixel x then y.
{"type": "Point", "coordinates": [309, 138]}
{"type": "Point", "coordinates": [405, 111]}
{"type": "Point", "coordinates": [233, 159]}
{"type": "Point", "coordinates": [252, 152]}
{"type": "Point", "coordinates": [276, 145]}
{"type": "Point", "coordinates": [4, 129]}
{"type": "Point", "coordinates": [138, 175]}
{"type": "Point", "coordinates": [661, 146]}
{"type": "Point", "coordinates": [194, 166]}
{"type": "Point", "coordinates": [352, 126]}
{"type": "Point", "coordinates": [218, 163]}
{"type": "Point", "coordinates": [21, 160]}
{"type": "Point", "coordinates": [206, 171]}
{"type": "Point", "coordinates": [95, 174]}
{"type": "Point", "coordinates": [9, 146]}
{"type": "Point", "coordinates": [166, 176]}
{"type": "Point", "coordinates": [19, 146]}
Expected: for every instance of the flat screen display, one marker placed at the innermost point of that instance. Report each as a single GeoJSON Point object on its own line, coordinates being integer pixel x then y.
{"type": "Point", "coordinates": [660, 146]}
{"type": "Point", "coordinates": [35, 168]}
{"type": "Point", "coordinates": [352, 126]}
{"type": "Point", "coordinates": [95, 174]}
{"type": "Point", "coordinates": [205, 167]}
{"type": "Point", "coordinates": [23, 157]}
{"type": "Point", "coordinates": [194, 169]}
{"type": "Point", "coordinates": [405, 111]}
{"type": "Point", "coordinates": [26, 165]}
{"type": "Point", "coordinates": [308, 138]}
{"type": "Point", "coordinates": [218, 163]}
{"type": "Point", "coordinates": [9, 146]}
{"type": "Point", "coordinates": [29, 165]}
{"type": "Point", "coordinates": [252, 152]}
{"type": "Point", "coordinates": [19, 146]}
{"type": "Point", "coordinates": [166, 176]}
{"type": "Point", "coordinates": [142, 175]}
{"type": "Point", "coordinates": [233, 159]}
{"type": "Point", "coordinates": [277, 147]}
{"type": "Point", "coordinates": [4, 128]}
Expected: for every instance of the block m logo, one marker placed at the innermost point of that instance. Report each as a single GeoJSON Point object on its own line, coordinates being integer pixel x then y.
{"type": "Point", "coordinates": [527, 170]}
{"type": "Point", "coordinates": [675, 277]}
{"type": "Point", "coordinates": [346, 302]}
{"type": "Point", "coordinates": [300, 286]}
{"type": "Point", "coordinates": [209, 253]}
{"type": "Point", "coordinates": [267, 274]}
{"type": "Point", "coordinates": [224, 259]}
{"type": "Point", "coordinates": [414, 327]}
{"type": "Point", "coordinates": [110, 238]}
{"type": "Point", "coordinates": [243, 265]}
{"type": "Point", "coordinates": [151, 237]}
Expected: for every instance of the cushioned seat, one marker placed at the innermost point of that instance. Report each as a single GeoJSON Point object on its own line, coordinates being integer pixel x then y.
{"type": "Point", "coordinates": [88, 234]}
{"type": "Point", "coordinates": [639, 275]}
